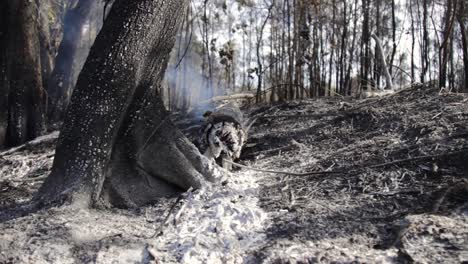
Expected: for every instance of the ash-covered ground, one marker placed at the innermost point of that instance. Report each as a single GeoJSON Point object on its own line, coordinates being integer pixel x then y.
{"type": "Point", "coordinates": [389, 184]}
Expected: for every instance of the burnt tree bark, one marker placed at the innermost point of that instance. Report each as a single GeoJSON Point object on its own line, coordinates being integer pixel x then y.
{"type": "Point", "coordinates": [20, 74]}
{"type": "Point", "coordinates": [4, 83]}
{"type": "Point", "coordinates": [450, 18]}
{"type": "Point", "coordinates": [259, 58]}
{"type": "Point", "coordinates": [117, 145]}
{"type": "Point", "coordinates": [365, 48]}
{"type": "Point", "coordinates": [464, 40]}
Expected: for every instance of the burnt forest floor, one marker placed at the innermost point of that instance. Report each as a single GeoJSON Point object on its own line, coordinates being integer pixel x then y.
{"type": "Point", "coordinates": [398, 187]}
{"type": "Point", "coordinates": [388, 184]}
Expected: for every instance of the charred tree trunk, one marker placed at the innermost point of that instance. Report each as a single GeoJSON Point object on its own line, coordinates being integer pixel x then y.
{"type": "Point", "coordinates": [47, 50]}
{"type": "Point", "coordinates": [259, 58]}
{"type": "Point", "coordinates": [4, 81]}
{"type": "Point", "coordinates": [21, 80]}
{"type": "Point", "coordinates": [117, 144]}
{"type": "Point", "coordinates": [62, 83]}
{"type": "Point", "coordinates": [445, 45]}
{"type": "Point", "coordinates": [425, 43]}
{"type": "Point", "coordinates": [343, 52]}
{"type": "Point", "coordinates": [464, 37]}
{"type": "Point", "coordinates": [290, 45]}
{"type": "Point", "coordinates": [365, 49]}
{"type": "Point", "coordinates": [377, 69]}
{"type": "Point", "coordinates": [348, 81]}
{"type": "Point", "coordinates": [413, 42]}
{"type": "Point", "coordinates": [394, 40]}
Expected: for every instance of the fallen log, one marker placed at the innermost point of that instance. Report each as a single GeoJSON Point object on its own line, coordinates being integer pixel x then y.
{"type": "Point", "coordinates": [228, 98]}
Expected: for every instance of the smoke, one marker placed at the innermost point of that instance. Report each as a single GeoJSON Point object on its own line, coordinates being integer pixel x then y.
{"type": "Point", "coordinates": [187, 85]}
{"type": "Point", "coordinates": [81, 25]}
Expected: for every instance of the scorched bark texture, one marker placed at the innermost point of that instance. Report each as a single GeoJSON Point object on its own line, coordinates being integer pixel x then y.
{"type": "Point", "coordinates": [117, 144]}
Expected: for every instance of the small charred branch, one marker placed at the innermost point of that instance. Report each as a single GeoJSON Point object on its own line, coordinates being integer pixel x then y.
{"type": "Point", "coordinates": [286, 172]}
{"type": "Point", "coordinates": [420, 158]}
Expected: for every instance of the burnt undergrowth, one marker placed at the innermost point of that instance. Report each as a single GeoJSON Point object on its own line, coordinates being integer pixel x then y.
{"type": "Point", "coordinates": [395, 156]}
{"type": "Point", "coordinates": [399, 188]}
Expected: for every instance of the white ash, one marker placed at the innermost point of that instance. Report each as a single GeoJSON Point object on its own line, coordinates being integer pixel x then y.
{"type": "Point", "coordinates": [215, 225]}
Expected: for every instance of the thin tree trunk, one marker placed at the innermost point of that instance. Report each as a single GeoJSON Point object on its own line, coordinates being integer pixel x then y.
{"type": "Point", "coordinates": [351, 57]}
{"type": "Point", "coordinates": [4, 73]}
{"type": "Point", "coordinates": [464, 38]}
{"type": "Point", "coordinates": [365, 50]}
{"type": "Point", "coordinates": [444, 47]}
{"type": "Point", "coordinates": [413, 42]}
{"type": "Point", "coordinates": [388, 76]}
{"type": "Point", "coordinates": [333, 45]}
{"type": "Point", "coordinates": [343, 57]}
{"type": "Point", "coordinates": [259, 58]}
{"type": "Point", "coordinates": [61, 82]}
{"type": "Point", "coordinates": [377, 66]}
{"type": "Point", "coordinates": [425, 43]}
{"type": "Point", "coordinates": [394, 44]}
{"type": "Point", "coordinates": [290, 54]}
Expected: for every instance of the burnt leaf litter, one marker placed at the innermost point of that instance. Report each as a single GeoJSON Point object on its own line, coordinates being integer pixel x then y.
{"type": "Point", "coordinates": [402, 169]}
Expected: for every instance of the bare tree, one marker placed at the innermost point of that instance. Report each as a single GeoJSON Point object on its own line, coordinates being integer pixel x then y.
{"type": "Point", "coordinates": [380, 52]}
{"type": "Point", "coordinates": [461, 17]}
{"type": "Point", "coordinates": [259, 55]}
{"type": "Point", "coordinates": [450, 17]}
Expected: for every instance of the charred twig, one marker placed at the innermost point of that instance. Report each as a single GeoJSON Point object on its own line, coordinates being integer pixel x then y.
{"type": "Point", "coordinates": [285, 172]}
{"type": "Point", "coordinates": [292, 116]}
{"type": "Point", "coordinates": [294, 144]}
{"type": "Point", "coordinates": [159, 231]}
{"type": "Point", "coordinates": [409, 192]}
{"type": "Point", "coordinates": [418, 158]}
{"type": "Point", "coordinates": [110, 237]}
{"type": "Point", "coordinates": [30, 179]}
{"type": "Point", "coordinates": [137, 155]}
{"type": "Point", "coordinates": [440, 200]}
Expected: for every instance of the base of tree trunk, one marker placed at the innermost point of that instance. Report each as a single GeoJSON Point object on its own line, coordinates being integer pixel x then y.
{"type": "Point", "coordinates": [117, 145]}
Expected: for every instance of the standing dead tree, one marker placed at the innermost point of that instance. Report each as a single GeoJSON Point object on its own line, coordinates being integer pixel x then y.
{"type": "Point", "coordinates": [259, 58]}
{"type": "Point", "coordinates": [117, 145]}
{"type": "Point", "coordinates": [450, 18]}
{"type": "Point", "coordinates": [388, 76]}
{"type": "Point", "coordinates": [461, 18]}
